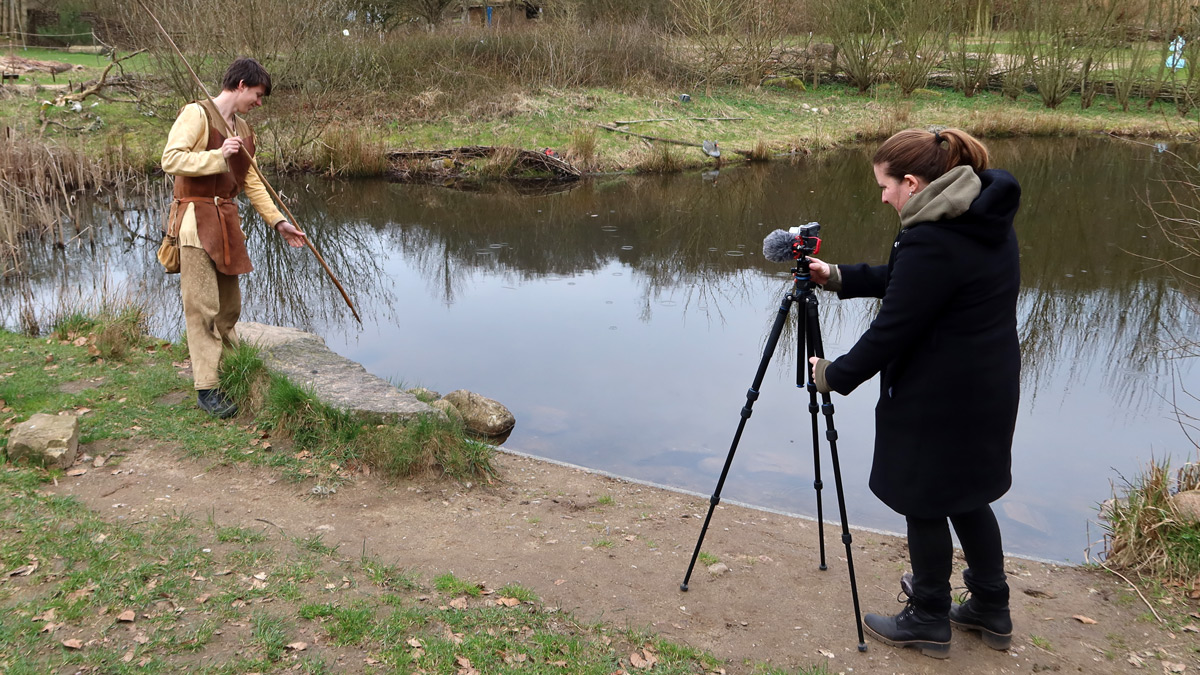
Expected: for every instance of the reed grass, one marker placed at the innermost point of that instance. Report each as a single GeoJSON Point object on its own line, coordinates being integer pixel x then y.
{"type": "Point", "coordinates": [660, 158]}
{"type": "Point", "coordinates": [1144, 530]}
{"type": "Point", "coordinates": [351, 152]}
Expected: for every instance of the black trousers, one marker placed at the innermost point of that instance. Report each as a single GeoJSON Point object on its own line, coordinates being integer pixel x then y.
{"type": "Point", "coordinates": [931, 552]}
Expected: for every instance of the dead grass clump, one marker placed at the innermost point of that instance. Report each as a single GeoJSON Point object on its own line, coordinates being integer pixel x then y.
{"type": "Point", "coordinates": [761, 151]}
{"type": "Point", "coordinates": [119, 329]}
{"type": "Point", "coordinates": [504, 162]}
{"type": "Point", "coordinates": [660, 159]}
{"type": "Point", "coordinates": [1144, 530]}
{"type": "Point", "coordinates": [581, 151]}
{"type": "Point", "coordinates": [351, 152]}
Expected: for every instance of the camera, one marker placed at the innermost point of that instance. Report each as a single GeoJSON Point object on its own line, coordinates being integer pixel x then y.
{"type": "Point", "coordinates": [805, 242]}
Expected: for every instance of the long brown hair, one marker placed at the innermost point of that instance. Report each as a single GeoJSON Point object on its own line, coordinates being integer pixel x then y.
{"type": "Point", "coordinates": [929, 154]}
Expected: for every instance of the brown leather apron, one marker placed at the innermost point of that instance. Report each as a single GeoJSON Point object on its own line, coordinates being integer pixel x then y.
{"type": "Point", "coordinates": [218, 223]}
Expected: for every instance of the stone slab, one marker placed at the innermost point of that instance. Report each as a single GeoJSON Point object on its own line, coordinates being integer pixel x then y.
{"type": "Point", "coordinates": [305, 360]}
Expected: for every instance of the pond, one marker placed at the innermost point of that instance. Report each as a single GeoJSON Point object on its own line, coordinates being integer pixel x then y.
{"type": "Point", "coordinates": [622, 319]}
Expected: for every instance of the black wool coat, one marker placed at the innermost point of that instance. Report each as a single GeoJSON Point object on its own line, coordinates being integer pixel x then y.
{"type": "Point", "coordinates": [945, 345]}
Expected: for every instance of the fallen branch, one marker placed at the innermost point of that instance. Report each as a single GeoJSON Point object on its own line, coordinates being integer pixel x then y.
{"type": "Point", "coordinates": [676, 119]}
{"type": "Point", "coordinates": [97, 88]}
{"type": "Point", "coordinates": [744, 153]}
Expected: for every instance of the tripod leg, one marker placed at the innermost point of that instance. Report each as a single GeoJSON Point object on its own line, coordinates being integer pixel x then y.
{"type": "Point", "coordinates": [813, 327]}
{"type": "Point", "coordinates": [804, 374]}
{"type": "Point", "coordinates": [747, 410]}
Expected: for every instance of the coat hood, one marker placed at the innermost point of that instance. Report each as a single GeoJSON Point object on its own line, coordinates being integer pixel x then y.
{"type": "Point", "coordinates": [979, 205]}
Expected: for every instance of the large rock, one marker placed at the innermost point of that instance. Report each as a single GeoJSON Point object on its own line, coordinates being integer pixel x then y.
{"type": "Point", "coordinates": [337, 381]}
{"type": "Point", "coordinates": [1187, 505]}
{"type": "Point", "coordinates": [45, 440]}
{"type": "Point", "coordinates": [480, 414]}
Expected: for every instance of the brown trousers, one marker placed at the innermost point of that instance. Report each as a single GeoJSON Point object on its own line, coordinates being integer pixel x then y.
{"type": "Point", "coordinates": [212, 303]}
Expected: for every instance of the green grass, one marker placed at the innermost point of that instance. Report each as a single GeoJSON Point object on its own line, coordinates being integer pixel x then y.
{"type": "Point", "coordinates": [452, 585]}
{"type": "Point", "coordinates": [83, 580]}
{"type": "Point", "coordinates": [605, 500]}
{"type": "Point", "coordinates": [705, 558]}
{"type": "Point", "coordinates": [1040, 642]}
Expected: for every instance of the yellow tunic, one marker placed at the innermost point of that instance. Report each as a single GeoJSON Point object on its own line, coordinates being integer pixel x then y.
{"type": "Point", "coordinates": [185, 155]}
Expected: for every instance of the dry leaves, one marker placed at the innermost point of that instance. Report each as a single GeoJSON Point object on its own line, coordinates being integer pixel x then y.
{"type": "Point", "coordinates": [1084, 620]}
{"type": "Point", "coordinates": [459, 602]}
{"type": "Point", "coordinates": [25, 570]}
{"type": "Point", "coordinates": [464, 666]}
{"type": "Point", "coordinates": [508, 602]}
{"type": "Point", "coordinates": [643, 658]}
{"type": "Point", "coordinates": [73, 643]}
{"type": "Point", "coordinates": [76, 471]}
{"type": "Point", "coordinates": [298, 646]}
{"type": "Point", "coordinates": [127, 616]}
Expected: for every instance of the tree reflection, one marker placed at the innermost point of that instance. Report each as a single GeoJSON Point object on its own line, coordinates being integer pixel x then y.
{"type": "Point", "coordinates": [1089, 293]}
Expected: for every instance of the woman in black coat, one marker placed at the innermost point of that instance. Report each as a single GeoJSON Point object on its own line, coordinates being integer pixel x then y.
{"type": "Point", "coordinates": [945, 346]}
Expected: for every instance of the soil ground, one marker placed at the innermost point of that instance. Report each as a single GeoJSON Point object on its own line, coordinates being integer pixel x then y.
{"type": "Point", "coordinates": [616, 551]}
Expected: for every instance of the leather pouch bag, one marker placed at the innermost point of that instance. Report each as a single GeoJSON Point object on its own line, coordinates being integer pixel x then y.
{"type": "Point", "coordinates": [168, 250]}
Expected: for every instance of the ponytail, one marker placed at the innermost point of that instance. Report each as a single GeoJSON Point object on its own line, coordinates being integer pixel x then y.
{"type": "Point", "coordinates": [929, 154]}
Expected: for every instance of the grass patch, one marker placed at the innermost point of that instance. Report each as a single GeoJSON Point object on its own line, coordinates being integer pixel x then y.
{"type": "Point", "coordinates": [707, 558]}
{"type": "Point", "coordinates": [1144, 531]}
{"type": "Point", "coordinates": [452, 585]}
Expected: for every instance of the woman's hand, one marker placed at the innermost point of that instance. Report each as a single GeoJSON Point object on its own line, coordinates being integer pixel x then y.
{"type": "Point", "coordinates": [818, 270]}
{"type": "Point", "coordinates": [231, 146]}
{"type": "Point", "coordinates": [293, 236]}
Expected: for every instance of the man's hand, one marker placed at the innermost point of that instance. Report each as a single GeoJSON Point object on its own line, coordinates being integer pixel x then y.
{"type": "Point", "coordinates": [294, 237]}
{"type": "Point", "coordinates": [231, 146]}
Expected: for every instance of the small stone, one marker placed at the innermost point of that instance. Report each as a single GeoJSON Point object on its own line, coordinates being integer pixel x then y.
{"type": "Point", "coordinates": [717, 569]}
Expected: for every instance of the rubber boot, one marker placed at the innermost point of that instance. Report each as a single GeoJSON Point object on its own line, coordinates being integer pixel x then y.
{"type": "Point", "coordinates": [915, 627]}
{"type": "Point", "coordinates": [216, 403]}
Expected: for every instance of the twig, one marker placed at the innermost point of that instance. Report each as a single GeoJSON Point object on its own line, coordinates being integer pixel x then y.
{"type": "Point", "coordinates": [676, 119]}
{"type": "Point", "coordinates": [1136, 590]}
{"type": "Point", "coordinates": [264, 520]}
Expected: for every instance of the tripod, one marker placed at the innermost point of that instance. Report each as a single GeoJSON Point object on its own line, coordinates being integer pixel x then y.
{"type": "Point", "coordinates": [808, 336]}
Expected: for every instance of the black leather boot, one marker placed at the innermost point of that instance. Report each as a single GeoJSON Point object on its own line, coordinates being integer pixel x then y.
{"type": "Point", "coordinates": [991, 620]}
{"type": "Point", "coordinates": [925, 631]}
{"type": "Point", "coordinates": [216, 403]}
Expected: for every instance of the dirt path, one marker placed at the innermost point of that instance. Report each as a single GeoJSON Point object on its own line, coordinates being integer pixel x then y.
{"type": "Point", "coordinates": [617, 551]}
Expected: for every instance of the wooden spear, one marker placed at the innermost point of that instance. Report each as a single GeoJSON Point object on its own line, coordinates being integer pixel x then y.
{"type": "Point", "coordinates": [253, 164]}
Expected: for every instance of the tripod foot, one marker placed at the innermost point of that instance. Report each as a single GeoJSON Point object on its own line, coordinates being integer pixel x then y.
{"type": "Point", "coordinates": [683, 587]}
{"type": "Point", "coordinates": [823, 567]}
{"type": "Point", "coordinates": [862, 646]}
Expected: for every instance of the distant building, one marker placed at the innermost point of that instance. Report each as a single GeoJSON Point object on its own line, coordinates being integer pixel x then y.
{"type": "Point", "coordinates": [501, 12]}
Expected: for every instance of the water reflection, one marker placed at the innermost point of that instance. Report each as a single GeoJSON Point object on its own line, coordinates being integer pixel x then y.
{"type": "Point", "coordinates": [622, 320]}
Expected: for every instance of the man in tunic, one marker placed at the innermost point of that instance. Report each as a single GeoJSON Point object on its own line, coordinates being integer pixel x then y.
{"type": "Point", "coordinates": [204, 153]}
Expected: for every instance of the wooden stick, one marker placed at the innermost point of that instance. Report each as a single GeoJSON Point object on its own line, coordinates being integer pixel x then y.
{"type": "Point", "coordinates": [744, 153]}
{"type": "Point", "coordinates": [676, 119]}
{"type": "Point", "coordinates": [253, 164]}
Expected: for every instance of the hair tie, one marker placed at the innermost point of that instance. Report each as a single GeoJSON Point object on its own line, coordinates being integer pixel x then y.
{"type": "Point", "coordinates": [937, 138]}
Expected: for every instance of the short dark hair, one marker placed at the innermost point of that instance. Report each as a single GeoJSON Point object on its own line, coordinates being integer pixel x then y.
{"type": "Point", "coordinates": [247, 70]}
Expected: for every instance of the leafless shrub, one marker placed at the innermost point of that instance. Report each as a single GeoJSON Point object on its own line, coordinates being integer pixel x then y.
{"type": "Point", "coordinates": [1061, 42]}
{"type": "Point", "coordinates": [920, 29]}
{"type": "Point", "coordinates": [733, 40]}
{"type": "Point", "coordinates": [971, 48]}
{"type": "Point", "coordinates": [861, 36]}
